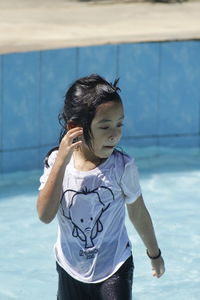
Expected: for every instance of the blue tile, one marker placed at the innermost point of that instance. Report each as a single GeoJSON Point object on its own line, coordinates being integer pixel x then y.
{"type": "Point", "coordinates": [179, 142]}
{"type": "Point", "coordinates": [139, 73]}
{"type": "Point", "coordinates": [1, 105]}
{"type": "Point", "coordinates": [1, 115]}
{"type": "Point", "coordinates": [144, 147]}
{"type": "Point", "coordinates": [100, 60]}
{"type": "Point", "coordinates": [141, 142]}
{"type": "Point", "coordinates": [20, 100]}
{"type": "Point", "coordinates": [179, 87]}
{"type": "Point", "coordinates": [1, 161]}
{"type": "Point", "coordinates": [58, 70]}
{"type": "Point", "coordinates": [42, 153]}
{"type": "Point", "coordinates": [20, 160]}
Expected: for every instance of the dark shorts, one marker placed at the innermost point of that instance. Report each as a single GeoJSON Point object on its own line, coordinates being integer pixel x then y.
{"type": "Point", "coordinates": [116, 287]}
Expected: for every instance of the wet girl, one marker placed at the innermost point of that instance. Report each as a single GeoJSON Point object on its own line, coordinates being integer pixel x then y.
{"type": "Point", "coordinates": [87, 183]}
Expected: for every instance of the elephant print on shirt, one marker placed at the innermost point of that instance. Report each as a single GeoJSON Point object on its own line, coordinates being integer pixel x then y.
{"type": "Point", "coordinates": [85, 211]}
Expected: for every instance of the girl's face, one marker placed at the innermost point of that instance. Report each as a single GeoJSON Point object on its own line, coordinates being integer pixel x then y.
{"type": "Point", "coordinates": [106, 128]}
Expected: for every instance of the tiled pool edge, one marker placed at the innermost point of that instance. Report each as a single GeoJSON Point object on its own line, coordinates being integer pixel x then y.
{"type": "Point", "coordinates": [160, 91]}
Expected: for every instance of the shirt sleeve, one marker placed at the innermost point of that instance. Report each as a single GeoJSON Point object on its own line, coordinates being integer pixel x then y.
{"type": "Point", "coordinates": [130, 182]}
{"type": "Point", "coordinates": [47, 170]}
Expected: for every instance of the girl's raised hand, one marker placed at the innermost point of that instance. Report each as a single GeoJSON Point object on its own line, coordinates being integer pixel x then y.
{"type": "Point", "coordinates": [68, 145]}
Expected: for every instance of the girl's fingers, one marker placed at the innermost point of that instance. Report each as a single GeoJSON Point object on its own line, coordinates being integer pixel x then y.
{"type": "Point", "coordinates": [67, 145]}
{"type": "Point", "coordinates": [158, 273]}
{"type": "Point", "coordinates": [158, 267]}
{"type": "Point", "coordinates": [75, 129]}
{"type": "Point", "coordinates": [76, 144]}
{"type": "Point", "coordinates": [73, 134]}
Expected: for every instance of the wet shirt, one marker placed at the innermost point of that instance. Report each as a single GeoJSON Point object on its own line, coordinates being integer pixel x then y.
{"type": "Point", "coordinates": [92, 240]}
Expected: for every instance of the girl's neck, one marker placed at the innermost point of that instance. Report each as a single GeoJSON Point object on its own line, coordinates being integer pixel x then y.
{"type": "Point", "coordinates": [85, 160]}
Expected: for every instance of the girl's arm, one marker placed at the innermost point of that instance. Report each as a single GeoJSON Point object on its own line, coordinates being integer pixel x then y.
{"type": "Point", "coordinates": [142, 222]}
{"type": "Point", "coordinates": [49, 197]}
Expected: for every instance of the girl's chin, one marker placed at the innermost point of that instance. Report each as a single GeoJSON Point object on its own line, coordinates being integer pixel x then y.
{"type": "Point", "coordinates": [106, 153]}
{"type": "Point", "coordinates": [102, 153]}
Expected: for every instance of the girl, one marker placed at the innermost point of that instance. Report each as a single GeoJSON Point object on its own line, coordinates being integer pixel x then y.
{"type": "Point", "coordinates": [86, 183]}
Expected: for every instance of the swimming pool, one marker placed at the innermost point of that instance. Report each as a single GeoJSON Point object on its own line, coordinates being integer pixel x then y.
{"type": "Point", "coordinates": [170, 185]}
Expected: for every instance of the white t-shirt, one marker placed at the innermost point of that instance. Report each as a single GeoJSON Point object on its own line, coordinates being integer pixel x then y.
{"type": "Point", "coordinates": [92, 240]}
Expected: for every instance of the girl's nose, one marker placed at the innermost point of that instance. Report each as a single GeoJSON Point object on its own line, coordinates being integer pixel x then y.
{"type": "Point", "coordinates": [111, 138]}
{"type": "Point", "coordinates": [114, 136]}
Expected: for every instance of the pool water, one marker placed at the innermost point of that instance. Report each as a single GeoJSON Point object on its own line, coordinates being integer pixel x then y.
{"type": "Point", "coordinates": [171, 189]}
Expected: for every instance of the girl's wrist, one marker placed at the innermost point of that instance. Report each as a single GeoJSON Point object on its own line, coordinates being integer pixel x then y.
{"type": "Point", "coordinates": [63, 158]}
{"type": "Point", "coordinates": [60, 164]}
{"type": "Point", "coordinates": [154, 256]}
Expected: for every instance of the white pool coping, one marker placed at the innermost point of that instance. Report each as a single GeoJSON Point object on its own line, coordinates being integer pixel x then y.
{"type": "Point", "coordinates": [27, 25]}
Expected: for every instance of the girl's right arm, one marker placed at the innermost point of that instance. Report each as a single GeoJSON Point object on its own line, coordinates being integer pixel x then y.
{"type": "Point", "coordinates": [49, 197]}
{"type": "Point", "coordinates": [142, 222]}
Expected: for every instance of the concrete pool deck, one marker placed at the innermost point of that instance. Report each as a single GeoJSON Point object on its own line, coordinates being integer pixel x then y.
{"type": "Point", "coordinates": [27, 25]}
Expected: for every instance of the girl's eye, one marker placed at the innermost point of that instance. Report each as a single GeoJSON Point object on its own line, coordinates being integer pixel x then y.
{"type": "Point", "coordinates": [104, 128]}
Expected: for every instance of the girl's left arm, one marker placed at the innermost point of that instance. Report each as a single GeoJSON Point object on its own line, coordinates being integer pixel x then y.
{"type": "Point", "coordinates": [142, 222]}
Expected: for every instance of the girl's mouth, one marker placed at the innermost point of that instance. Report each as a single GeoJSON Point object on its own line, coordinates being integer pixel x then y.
{"type": "Point", "coordinates": [109, 147]}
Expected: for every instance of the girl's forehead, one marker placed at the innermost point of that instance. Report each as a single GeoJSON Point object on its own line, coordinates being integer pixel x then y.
{"type": "Point", "coordinates": [109, 108]}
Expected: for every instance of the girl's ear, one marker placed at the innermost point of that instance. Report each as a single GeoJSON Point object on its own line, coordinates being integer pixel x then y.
{"type": "Point", "coordinates": [70, 125]}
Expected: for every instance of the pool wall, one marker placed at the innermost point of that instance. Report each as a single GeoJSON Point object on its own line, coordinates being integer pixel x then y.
{"type": "Point", "coordinates": [160, 87]}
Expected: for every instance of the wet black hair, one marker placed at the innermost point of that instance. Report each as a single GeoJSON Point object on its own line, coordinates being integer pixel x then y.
{"type": "Point", "coordinates": [81, 101]}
